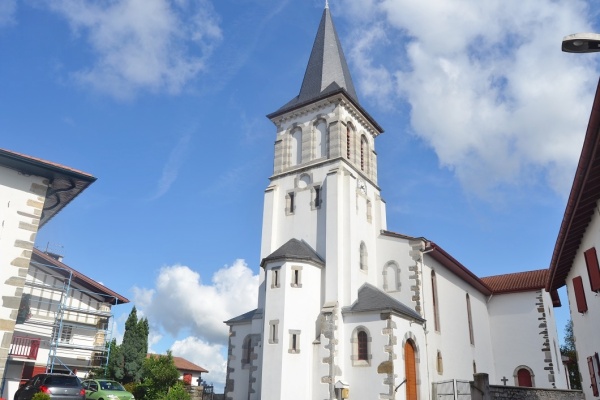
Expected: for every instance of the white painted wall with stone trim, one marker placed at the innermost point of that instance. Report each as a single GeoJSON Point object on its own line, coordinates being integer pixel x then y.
{"type": "Point", "coordinates": [586, 326]}
{"type": "Point", "coordinates": [22, 199]}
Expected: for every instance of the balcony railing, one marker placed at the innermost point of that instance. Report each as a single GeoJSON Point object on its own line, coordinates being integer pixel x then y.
{"type": "Point", "coordinates": [24, 347]}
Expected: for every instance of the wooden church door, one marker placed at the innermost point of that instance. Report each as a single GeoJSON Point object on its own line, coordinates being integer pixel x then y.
{"type": "Point", "coordinates": [524, 378]}
{"type": "Point", "coordinates": [410, 368]}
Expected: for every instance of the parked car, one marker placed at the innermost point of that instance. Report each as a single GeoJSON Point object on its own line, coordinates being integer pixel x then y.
{"type": "Point", "coordinates": [57, 386]}
{"type": "Point", "coordinates": [104, 389]}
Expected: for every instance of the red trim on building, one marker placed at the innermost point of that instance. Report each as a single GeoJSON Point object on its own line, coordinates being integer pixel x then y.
{"type": "Point", "coordinates": [591, 262]}
{"type": "Point", "coordinates": [579, 294]}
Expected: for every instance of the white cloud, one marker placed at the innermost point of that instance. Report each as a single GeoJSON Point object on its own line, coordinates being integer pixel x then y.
{"type": "Point", "coordinates": [489, 89]}
{"type": "Point", "coordinates": [150, 45]}
{"type": "Point", "coordinates": [181, 302]}
{"type": "Point", "coordinates": [8, 9]}
{"type": "Point", "coordinates": [205, 355]}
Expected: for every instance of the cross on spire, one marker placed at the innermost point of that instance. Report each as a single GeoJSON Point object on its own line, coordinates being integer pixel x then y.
{"type": "Point", "coordinates": [326, 3]}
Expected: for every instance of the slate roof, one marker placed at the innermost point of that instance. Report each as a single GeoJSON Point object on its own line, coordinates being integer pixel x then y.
{"type": "Point", "coordinates": [66, 182]}
{"type": "Point", "coordinates": [294, 249]}
{"type": "Point", "coordinates": [583, 199]}
{"type": "Point", "coordinates": [517, 282]}
{"type": "Point", "coordinates": [327, 72]}
{"type": "Point", "coordinates": [185, 365]}
{"type": "Point", "coordinates": [372, 299]}
{"type": "Point", "coordinates": [242, 318]}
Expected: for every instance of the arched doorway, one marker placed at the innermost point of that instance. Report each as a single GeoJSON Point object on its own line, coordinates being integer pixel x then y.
{"type": "Point", "coordinates": [524, 378]}
{"type": "Point", "coordinates": [410, 368]}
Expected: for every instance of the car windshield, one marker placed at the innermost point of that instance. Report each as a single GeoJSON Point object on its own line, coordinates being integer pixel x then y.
{"type": "Point", "coordinates": [110, 385]}
{"type": "Point", "coordinates": [57, 380]}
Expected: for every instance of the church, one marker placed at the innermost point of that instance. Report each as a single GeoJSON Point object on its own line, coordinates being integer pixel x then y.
{"type": "Point", "coordinates": [349, 309]}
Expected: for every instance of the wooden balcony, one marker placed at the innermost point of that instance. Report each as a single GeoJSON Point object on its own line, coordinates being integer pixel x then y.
{"type": "Point", "coordinates": [24, 347]}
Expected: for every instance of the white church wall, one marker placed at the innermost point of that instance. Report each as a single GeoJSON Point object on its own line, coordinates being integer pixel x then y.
{"type": "Point", "coordinates": [453, 339]}
{"type": "Point", "coordinates": [511, 314]}
{"type": "Point", "coordinates": [292, 305]}
{"type": "Point", "coordinates": [238, 372]}
{"type": "Point", "coordinates": [585, 325]}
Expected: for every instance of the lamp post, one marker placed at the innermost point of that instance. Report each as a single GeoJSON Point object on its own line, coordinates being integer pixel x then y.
{"type": "Point", "coordinates": [581, 43]}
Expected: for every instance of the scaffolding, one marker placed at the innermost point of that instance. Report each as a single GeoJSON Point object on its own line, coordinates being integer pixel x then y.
{"type": "Point", "coordinates": [72, 322]}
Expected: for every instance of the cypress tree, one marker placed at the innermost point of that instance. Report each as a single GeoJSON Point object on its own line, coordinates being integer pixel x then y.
{"type": "Point", "coordinates": [134, 347]}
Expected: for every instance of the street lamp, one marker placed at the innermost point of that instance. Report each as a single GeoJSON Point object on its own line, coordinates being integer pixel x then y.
{"type": "Point", "coordinates": [581, 43]}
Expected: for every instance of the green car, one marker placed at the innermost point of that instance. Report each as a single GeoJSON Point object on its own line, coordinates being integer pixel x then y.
{"type": "Point", "coordinates": [103, 389]}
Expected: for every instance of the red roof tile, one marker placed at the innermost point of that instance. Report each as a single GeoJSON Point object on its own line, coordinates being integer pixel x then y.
{"type": "Point", "coordinates": [185, 365]}
{"type": "Point", "coordinates": [517, 282]}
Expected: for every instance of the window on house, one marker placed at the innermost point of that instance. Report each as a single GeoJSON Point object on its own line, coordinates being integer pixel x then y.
{"type": "Point", "coordinates": [290, 203]}
{"type": "Point", "coordinates": [296, 277]}
{"type": "Point", "coordinates": [273, 335]}
{"type": "Point", "coordinates": [317, 190]}
{"type": "Point", "coordinates": [361, 343]}
{"type": "Point", "coordinates": [592, 371]}
{"type": "Point", "coordinates": [591, 262]}
{"type": "Point", "coordinates": [294, 342]}
{"type": "Point", "coordinates": [439, 363]}
{"type": "Point", "coordinates": [470, 320]}
{"type": "Point", "coordinates": [296, 147]}
{"type": "Point", "coordinates": [66, 335]}
{"type": "Point", "coordinates": [247, 347]}
{"type": "Point", "coordinates": [275, 278]}
{"type": "Point", "coordinates": [391, 277]}
{"type": "Point", "coordinates": [321, 139]}
{"type": "Point", "coordinates": [434, 300]}
{"type": "Point", "coordinates": [579, 294]}
{"type": "Point", "coordinates": [363, 257]}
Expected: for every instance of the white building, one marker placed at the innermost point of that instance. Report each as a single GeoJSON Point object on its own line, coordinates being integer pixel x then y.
{"type": "Point", "coordinates": [575, 260]}
{"type": "Point", "coordinates": [348, 309]}
{"type": "Point", "coordinates": [32, 191]}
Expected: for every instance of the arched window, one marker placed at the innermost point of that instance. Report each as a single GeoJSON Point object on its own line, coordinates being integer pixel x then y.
{"type": "Point", "coordinates": [364, 148]}
{"type": "Point", "coordinates": [361, 347]}
{"type": "Point", "coordinates": [321, 139]}
{"type": "Point", "coordinates": [524, 376]}
{"type": "Point", "coordinates": [247, 351]}
{"type": "Point", "coordinates": [363, 257]}
{"type": "Point", "coordinates": [391, 277]}
{"type": "Point", "coordinates": [434, 300]}
{"type": "Point", "coordinates": [296, 147]}
{"type": "Point", "coordinates": [439, 363]}
{"type": "Point", "coordinates": [470, 320]}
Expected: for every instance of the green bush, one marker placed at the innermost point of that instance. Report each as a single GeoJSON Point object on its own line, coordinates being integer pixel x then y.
{"type": "Point", "coordinates": [178, 392]}
{"type": "Point", "coordinates": [41, 396]}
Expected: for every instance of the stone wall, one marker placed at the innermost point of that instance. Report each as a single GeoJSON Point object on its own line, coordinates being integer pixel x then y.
{"type": "Point", "coordinates": [482, 390]}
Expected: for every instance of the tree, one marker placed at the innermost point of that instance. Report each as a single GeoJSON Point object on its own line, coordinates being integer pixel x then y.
{"type": "Point", "coordinates": [133, 350]}
{"type": "Point", "coordinates": [568, 349]}
{"type": "Point", "coordinates": [160, 375]}
{"type": "Point", "coordinates": [114, 367]}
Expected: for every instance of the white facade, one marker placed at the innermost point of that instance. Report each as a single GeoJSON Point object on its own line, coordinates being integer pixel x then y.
{"type": "Point", "coordinates": [345, 307]}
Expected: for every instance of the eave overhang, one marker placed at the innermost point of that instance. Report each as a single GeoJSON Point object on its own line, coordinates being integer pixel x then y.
{"type": "Point", "coordinates": [65, 183]}
{"type": "Point", "coordinates": [582, 201]}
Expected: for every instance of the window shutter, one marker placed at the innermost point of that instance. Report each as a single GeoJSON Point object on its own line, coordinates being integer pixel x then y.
{"type": "Point", "coordinates": [591, 261]}
{"type": "Point", "coordinates": [579, 294]}
{"type": "Point", "coordinates": [594, 384]}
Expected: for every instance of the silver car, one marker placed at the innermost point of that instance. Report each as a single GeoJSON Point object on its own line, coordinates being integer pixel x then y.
{"type": "Point", "coordinates": [57, 386]}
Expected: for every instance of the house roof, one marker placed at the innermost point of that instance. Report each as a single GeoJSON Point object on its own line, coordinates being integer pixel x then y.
{"type": "Point", "coordinates": [65, 183]}
{"type": "Point", "coordinates": [436, 252]}
{"type": "Point", "coordinates": [294, 249]}
{"type": "Point", "coordinates": [517, 282]}
{"type": "Point", "coordinates": [242, 318]}
{"type": "Point", "coordinates": [582, 201]}
{"type": "Point", "coordinates": [184, 365]}
{"type": "Point", "coordinates": [41, 259]}
{"type": "Point", "coordinates": [327, 72]}
{"type": "Point", "coordinates": [371, 299]}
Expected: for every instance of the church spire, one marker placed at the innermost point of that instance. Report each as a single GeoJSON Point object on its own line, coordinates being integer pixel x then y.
{"type": "Point", "coordinates": [327, 70]}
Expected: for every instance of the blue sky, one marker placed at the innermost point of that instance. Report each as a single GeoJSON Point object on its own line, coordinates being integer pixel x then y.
{"type": "Point", "coordinates": [165, 102]}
